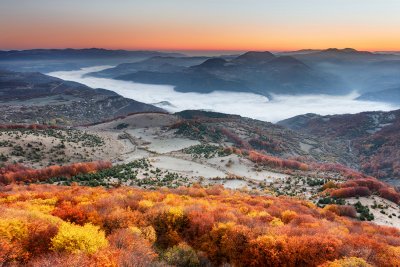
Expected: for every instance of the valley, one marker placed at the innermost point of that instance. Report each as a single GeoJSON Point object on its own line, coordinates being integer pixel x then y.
{"type": "Point", "coordinates": [123, 160]}
{"type": "Point", "coordinates": [171, 133]}
{"type": "Point", "coordinates": [246, 104]}
{"type": "Point", "coordinates": [152, 150]}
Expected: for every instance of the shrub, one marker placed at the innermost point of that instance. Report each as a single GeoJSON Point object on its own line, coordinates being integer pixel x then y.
{"type": "Point", "coordinates": [342, 210]}
{"type": "Point", "coordinates": [347, 262]}
{"type": "Point", "coordinates": [288, 216]}
{"type": "Point", "coordinates": [358, 191]}
{"type": "Point", "coordinates": [74, 238]}
{"type": "Point", "coordinates": [13, 229]}
{"type": "Point", "coordinates": [276, 222]}
{"type": "Point", "coordinates": [182, 255]}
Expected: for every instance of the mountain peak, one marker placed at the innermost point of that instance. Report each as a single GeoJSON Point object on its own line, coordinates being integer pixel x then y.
{"type": "Point", "coordinates": [213, 63]}
{"type": "Point", "coordinates": [255, 57]}
{"type": "Point", "coordinates": [345, 51]}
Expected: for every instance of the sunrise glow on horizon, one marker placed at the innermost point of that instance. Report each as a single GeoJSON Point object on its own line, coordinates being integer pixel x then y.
{"type": "Point", "coordinates": [230, 25]}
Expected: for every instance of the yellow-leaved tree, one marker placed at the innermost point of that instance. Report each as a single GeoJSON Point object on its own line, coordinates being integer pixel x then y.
{"type": "Point", "coordinates": [347, 262]}
{"type": "Point", "coordinates": [75, 238]}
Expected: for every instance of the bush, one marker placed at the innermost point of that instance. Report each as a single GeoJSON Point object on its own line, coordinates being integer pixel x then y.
{"type": "Point", "coordinates": [347, 262]}
{"type": "Point", "coordinates": [182, 255]}
{"type": "Point", "coordinates": [288, 216]}
{"type": "Point", "coordinates": [358, 191]}
{"type": "Point", "coordinates": [74, 238]}
{"type": "Point", "coordinates": [345, 210]}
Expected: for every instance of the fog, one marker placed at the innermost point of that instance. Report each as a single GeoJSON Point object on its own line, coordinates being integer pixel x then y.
{"type": "Point", "coordinates": [244, 104]}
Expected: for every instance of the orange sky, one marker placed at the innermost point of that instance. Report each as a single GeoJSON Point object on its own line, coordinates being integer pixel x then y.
{"type": "Point", "coordinates": [200, 25]}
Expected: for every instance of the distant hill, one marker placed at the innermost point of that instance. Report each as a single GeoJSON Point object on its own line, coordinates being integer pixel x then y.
{"type": "Point", "coordinates": [89, 53]}
{"type": "Point", "coordinates": [388, 95]}
{"type": "Point", "coordinates": [335, 55]}
{"type": "Point", "coordinates": [258, 135]}
{"type": "Point", "coordinates": [254, 58]}
{"type": "Point", "coordinates": [212, 63]}
{"type": "Point", "coordinates": [47, 60]}
{"type": "Point", "coordinates": [157, 63]}
{"type": "Point", "coordinates": [372, 137]}
{"type": "Point", "coordinates": [35, 97]}
{"type": "Point", "coordinates": [199, 81]}
{"type": "Point", "coordinates": [361, 71]}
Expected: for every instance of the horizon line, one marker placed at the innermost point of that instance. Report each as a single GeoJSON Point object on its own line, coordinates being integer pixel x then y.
{"type": "Point", "coordinates": [195, 50]}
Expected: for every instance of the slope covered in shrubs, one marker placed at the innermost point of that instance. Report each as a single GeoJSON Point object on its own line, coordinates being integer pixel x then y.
{"type": "Point", "coordinates": [44, 225]}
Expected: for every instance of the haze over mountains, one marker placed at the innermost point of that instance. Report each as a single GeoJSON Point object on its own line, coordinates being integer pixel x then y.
{"type": "Point", "coordinates": [331, 71]}
{"type": "Point", "coordinates": [256, 72]}
{"type": "Point", "coordinates": [294, 82]}
{"type": "Point", "coordinates": [46, 60]}
{"type": "Point", "coordinates": [245, 104]}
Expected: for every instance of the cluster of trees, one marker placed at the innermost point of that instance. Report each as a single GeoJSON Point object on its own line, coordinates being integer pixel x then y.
{"type": "Point", "coordinates": [267, 145]}
{"type": "Point", "coordinates": [27, 126]}
{"type": "Point", "coordinates": [276, 162]}
{"type": "Point", "coordinates": [356, 191]}
{"type": "Point", "coordinates": [262, 143]}
{"type": "Point", "coordinates": [260, 158]}
{"type": "Point", "coordinates": [44, 225]}
{"type": "Point", "coordinates": [197, 130]}
{"type": "Point", "coordinates": [19, 173]}
{"type": "Point", "coordinates": [234, 138]}
{"type": "Point", "coordinates": [366, 187]}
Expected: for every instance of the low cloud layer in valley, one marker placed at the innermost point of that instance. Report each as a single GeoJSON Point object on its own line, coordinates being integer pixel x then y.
{"type": "Point", "coordinates": [244, 104]}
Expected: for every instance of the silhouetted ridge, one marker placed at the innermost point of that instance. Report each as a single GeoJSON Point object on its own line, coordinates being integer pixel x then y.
{"type": "Point", "coordinates": [213, 63]}
{"type": "Point", "coordinates": [255, 57]}
{"type": "Point", "coordinates": [349, 51]}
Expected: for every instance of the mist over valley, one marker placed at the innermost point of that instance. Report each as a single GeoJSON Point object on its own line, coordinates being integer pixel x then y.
{"type": "Point", "coordinates": [251, 105]}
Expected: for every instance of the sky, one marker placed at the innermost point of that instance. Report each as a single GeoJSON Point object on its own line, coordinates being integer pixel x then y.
{"type": "Point", "coordinates": [235, 25]}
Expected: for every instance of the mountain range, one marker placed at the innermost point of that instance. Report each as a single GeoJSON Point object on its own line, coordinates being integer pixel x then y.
{"type": "Point", "coordinates": [47, 60]}
{"type": "Point", "coordinates": [256, 72]}
{"type": "Point", "coordinates": [331, 71]}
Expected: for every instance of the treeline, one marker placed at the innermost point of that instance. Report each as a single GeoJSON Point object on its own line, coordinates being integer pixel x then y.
{"type": "Point", "coordinates": [43, 225]}
{"type": "Point", "coordinates": [27, 126]}
{"type": "Point", "coordinates": [267, 160]}
{"type": "Point", "coordinates": [276, 162]}
{"type": "Point", "coordinates": [366, 187]}
{"type": "Point", "coordinates": [19, 173]}
{"type": "Point", "coordinates": [267, 145]}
